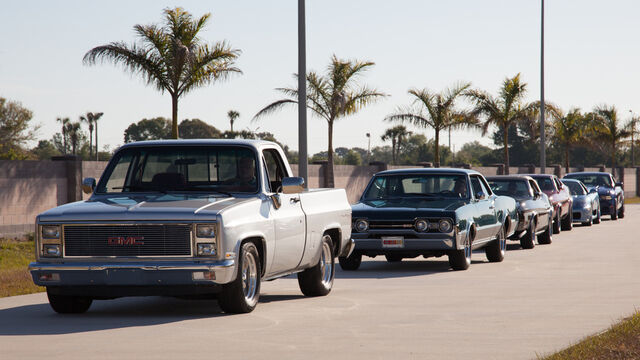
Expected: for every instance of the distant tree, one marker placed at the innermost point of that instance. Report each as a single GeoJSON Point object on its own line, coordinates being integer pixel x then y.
{"type": "Point", "coordinates": [45, 150]}
{"type": "Point", "coordinates": [608, 129]}
{"type": "Point", "coordinates": [14, 129]}
{"type": "Point", "coordinates": [148, 129]}
{"type": "Point", "coordinates": [331, 96]}
{"type": "Point", "coordinates": [477, 154]}
{"type": "Point", "coordinates": [233, 115]}
{"type": "Point", "coordinates": [396, 134]}
{"type": "Point", "coordinates": [352, 158]}
{"type": "Point", "coordinates": [73, 130]}
{"type": "Point", "coordinates": [65, 136]}
{"type": "Point", "coordinates": [171, 57]}
{"type": "Point", "coordinates": [435, 110]}
{"type": "Point", "coordinates": [198, 129]}
{"type": "Point", "coordinates": [92, 120]}
{"type": "Point", "coordinates": [568, 131]}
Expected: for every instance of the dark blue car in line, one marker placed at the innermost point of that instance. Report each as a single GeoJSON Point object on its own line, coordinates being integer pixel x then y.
{"type": "Point", "coordinates": [610, 192]}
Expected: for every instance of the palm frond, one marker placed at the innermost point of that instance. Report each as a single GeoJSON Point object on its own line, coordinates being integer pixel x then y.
{"type": "Point", "coordinates": [273, 107]}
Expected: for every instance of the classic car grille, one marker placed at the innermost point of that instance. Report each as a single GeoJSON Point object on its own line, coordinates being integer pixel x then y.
{"type": "Point", "coordinates": [127, 240]}
{"type": "Point", "coordinates": [379, 224]}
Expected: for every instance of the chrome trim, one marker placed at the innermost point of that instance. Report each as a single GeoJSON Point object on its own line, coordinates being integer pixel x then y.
{"type": "Point", "coordinates": [138, 266]}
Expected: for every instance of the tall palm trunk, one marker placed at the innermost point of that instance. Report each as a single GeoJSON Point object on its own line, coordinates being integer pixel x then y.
{"type": "Point", "coordinates": [97, 148]}
{"type": "Point", "coordinates": [329, 181]}
{"type": "Point", "coordinates": [613, 156]}
{"type": "Point", "coordinates": [174, 116]}
{"type": "Point", "coordinates": [506, 150]}
{"type": "Point", "coordinates": [90, 142]}
{"type": "Point", "coordinates": [566, 158]}
{"type": "Point", "coordinates": [393, 150]}
{"type": "Point", "coordinates": [437, 150]}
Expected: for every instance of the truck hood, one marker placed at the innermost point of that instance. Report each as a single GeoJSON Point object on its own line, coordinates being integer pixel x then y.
{"type": "Point", "coordinates": [404, 208]}
{"type": "Point", "coordinates": [142, 207]}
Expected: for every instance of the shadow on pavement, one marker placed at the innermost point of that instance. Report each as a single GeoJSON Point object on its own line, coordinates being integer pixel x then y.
{"type": "Point", "coordinates": [40, 319]}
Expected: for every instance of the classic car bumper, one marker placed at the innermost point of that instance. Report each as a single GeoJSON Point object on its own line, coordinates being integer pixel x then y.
{"type": "Point", "coordinates": [132, 274]}
{"type": "Point", "coordinates": [582, 215]}
{"type": "Point", "coordinates": [411, 241]}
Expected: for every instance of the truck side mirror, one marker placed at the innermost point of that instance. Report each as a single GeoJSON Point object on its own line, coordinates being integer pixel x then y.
{"type": "Point", "coordinates": [88, 185]}
{"type": "Point", "coordinates": [292, 185]}
{"type": "Point", "coordinates": [480, 195]}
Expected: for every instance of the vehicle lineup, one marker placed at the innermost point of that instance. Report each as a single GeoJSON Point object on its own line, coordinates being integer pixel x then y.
{"type": "Point", "coordinates": [191, 218]}
{"type": "Point", "coordinates": [215, 218]}
{"type": "Point", "coordinates": [430, 212]}
{"type": "Point", "coordinates": [535, 213]}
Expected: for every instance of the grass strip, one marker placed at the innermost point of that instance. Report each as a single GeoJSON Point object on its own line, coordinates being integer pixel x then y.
{"type": "Point", "coordinates": [15, 278]}
{"type": "Point", "coordinates": [620, 342]}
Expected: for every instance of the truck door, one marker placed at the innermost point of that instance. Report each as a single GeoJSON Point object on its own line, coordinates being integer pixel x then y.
{"type": "Point", "coordinates": [289, 220]}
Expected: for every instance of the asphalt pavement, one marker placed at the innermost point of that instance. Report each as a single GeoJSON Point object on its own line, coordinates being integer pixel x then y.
{"type": "Point", "coordinates": [536, 301]}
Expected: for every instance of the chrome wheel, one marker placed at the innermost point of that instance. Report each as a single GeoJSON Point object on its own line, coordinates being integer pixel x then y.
{"type": "Point", "coordinates": [326, 265]}
{"type": "Point", "coordinates": [467, 252]}
{"type": "Point", "coordinates": [503, 241]}
{"type": "Point", "coordinates": [249, 278]}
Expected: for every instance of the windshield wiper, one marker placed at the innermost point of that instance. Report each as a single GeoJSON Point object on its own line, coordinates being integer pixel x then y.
{"type": "Point", "coordinates": [135, 188]}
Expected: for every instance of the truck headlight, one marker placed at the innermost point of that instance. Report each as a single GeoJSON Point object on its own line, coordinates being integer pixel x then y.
{"type": "Point", "coordinates": [51, 232]}
{"type": "Point", "coordinates": [206, 249]}
{"type": "Point", "coordinates": [206, 231]}
{"type": "Point", "coordinates": [206, 242]}
{"type": "Point", "coordinates": [52, 250]}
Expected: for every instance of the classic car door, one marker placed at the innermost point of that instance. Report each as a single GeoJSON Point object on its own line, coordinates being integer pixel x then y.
{"type": "Point", "coordinates": [540, 205]}
{"type": "Point", "coordinates": [485, 212]}
{"type": "Point", "coordinates": [289, 219]}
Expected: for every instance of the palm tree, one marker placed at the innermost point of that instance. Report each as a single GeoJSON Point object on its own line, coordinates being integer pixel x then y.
{"type": "Point", "coordinates": [568, 131]}
{"type": "Point", "coordinates": [233, 115]}
{"type": "Point", "coordinates": [435, 110]}
{"type": "Point", "coordinates": [608, 129]}
{"type": "Point", "coordinates": [64, 122]}
{"type": "Point", "coordinates": [171, 57]}
{"type": "Point", "coordinates": [73, 131]}
{"type": "Point", "coordinates": [396, 134]}
{"type": "Point", "coordinates": [331, 96]}
{"type": "Point", "coordinates": [632, 127]}
{"type": "Point", "coordinates": [504, 111]}
{"type": "Point", "coordinates": [92, 119]}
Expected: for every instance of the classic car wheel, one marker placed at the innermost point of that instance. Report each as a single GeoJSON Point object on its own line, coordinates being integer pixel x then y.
{"type": "Point", "coordinates": [318, 280]}
{"type": "Point", "coordinates": [460, 259]}
{"type": "Point", "coordinates": [528, 241]}
{"type": "Point", "coordinates": [567, 222]}
{"type": "Point", "coordinates": [621, 212]}
{"type": "Point", "coordinates": [598, 215]}
{"type": "Point", "coordinates": [614, 212]}
{"type": "Point", "coordinates": [241, 295]}
{"type": "Point", "coordinates": [546, 237]}
{"type": "Point", "coordinates": [496, 249]}
{"type": "Point", "coordinates": [66, 304]}
{"type": "Point", "coordinates": [351, 262]}
{"type": "Point", "coordinates": [393, 258]}
{"type": "Point", "coordinates": [556, 223]}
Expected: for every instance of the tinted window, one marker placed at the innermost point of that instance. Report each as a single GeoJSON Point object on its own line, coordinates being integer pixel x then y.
{"type": "Point", "coordinates": [417, 185]}
{"type": "Point", "coordinates": [592, 180]}
{"type": "Point", "coordinates": [514, 188]}
{"type": "Point", "coordinates": [173, 168]}
{"type": "Point", "coordinates": [575, 188]}
{"type": "Point", "coordinates": [477, 186]}
{"type": "Point", "coordinates": [546, 184]}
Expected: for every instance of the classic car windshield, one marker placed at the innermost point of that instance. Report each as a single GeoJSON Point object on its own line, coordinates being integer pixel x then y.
{"type": "Point", "coordinates": [592, 179]}
{"type": "Point", "coordinates": [181, 168]}
{"type": "Point", "coordinates": [513, 188]}
{"type": "Point", "coordinates": [418, 185]}
{"type": "Point", "coordinates": [575, 188]}
{"type": "Point", "coordinates": [546, 184]}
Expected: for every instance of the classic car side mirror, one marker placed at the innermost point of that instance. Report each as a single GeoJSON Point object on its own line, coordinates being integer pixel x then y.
{"type": "Point", "coordinates": [593, 190]}
{"type": "Point", "coordinates": [292, 185]}
{"type": "Point", "coordinates": [536, 195]}
{"type": "Point", "coordinates": [480, 195]}
{"type": "Point", "coordinates": [621, 184]}
{"type": "Point", "coordinates": [88, 185]}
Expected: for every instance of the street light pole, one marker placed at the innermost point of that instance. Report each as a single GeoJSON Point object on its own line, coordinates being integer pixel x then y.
{"type": "Point", "coordinates": [633, 130]}
{"type": "Point", "coordinates": [302, 95]}
{"type": "Point", "coordinates": [368, 148]}
{"type": "Point", "coordinates": [543, 158]}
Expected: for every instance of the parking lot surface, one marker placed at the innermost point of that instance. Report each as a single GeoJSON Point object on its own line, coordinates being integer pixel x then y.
{"type": "Point", "coordinates": [536, 301]}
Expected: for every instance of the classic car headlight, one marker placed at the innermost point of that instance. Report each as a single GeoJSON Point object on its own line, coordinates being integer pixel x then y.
{"type": "Point", "coordinates": [445, 225]}
{"type": "Point", "coordinates": [361, 225]}
{"type": "Point", "coordinates": [51, 232]}
{"type": "Point", "coordinates": [421, 225]}
{"type": "Point", "coordinates": [205, 230]}
{"type": "Point", "coordinates": [206, 244]}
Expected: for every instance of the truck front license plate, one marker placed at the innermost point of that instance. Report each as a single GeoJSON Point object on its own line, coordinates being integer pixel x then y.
{"type": "Point", "coordinates": [392, 241]}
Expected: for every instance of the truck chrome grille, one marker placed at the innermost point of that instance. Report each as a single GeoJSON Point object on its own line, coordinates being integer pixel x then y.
{"type": "Point", "coordinates": [127, 240]}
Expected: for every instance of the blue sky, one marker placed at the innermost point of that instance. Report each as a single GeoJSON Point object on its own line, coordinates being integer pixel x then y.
{"type": "Point", "coordinates": [592, 54]}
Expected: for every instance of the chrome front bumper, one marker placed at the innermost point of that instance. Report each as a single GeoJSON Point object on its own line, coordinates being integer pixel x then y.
{"type": "Point", "coordinates": [132, 274]}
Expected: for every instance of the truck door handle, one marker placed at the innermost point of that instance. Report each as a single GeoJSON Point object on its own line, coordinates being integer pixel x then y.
{"type": "Point", "coordinates": [492, 207]}
{"type": "Point", "coordinates": [294, 200]}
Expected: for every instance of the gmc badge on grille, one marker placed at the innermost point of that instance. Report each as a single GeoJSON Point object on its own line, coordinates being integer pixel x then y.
{"type": "Point", "coordinates": [125, 240]}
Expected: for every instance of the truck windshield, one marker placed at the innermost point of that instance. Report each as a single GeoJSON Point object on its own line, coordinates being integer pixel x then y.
{"type": "Point", "coordinates": [418, 185]}
{"type": "Point", "coordinates": [181, 168]}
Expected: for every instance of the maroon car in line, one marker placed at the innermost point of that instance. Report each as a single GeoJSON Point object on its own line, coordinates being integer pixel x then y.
{"type": "Point", "coordinates": [560, 198]}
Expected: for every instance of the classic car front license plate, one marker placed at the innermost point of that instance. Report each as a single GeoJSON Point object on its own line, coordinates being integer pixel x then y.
{"type": "Point", "coordinates": [392, 241]}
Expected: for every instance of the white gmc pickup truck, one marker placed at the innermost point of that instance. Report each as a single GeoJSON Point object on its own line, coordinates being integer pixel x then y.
{"type": "Point", "coordinates": [191, 217]}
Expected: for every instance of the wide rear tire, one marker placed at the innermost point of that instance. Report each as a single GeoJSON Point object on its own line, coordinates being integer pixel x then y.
{"type": "Point", "coordinates": [67, 304]}
{"type": "Point", "coordinates": [318, 280]}
{"type": "Point", "coordinates": [242, 295]}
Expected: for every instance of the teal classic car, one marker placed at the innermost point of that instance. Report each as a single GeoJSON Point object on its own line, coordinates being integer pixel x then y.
{"type": "Point", "coordinates": [407, 213]}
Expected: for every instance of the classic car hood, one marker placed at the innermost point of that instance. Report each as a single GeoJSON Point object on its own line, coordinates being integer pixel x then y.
{"type": "Point", "coordinates": [141, 207]}
{"type": "Point", "coordinates": [405, 208]}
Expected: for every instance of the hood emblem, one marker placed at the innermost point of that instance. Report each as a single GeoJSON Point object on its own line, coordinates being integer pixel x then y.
{"type": "Point", "coordinates": [125, 240]}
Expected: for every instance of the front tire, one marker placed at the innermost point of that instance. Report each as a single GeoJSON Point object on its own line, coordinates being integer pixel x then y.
{"type": "Point", "coordinates": [318, 280]}
{"type": "Point", "coordinates": [496, 250]}
{"type": "Point", "coordinates": [556, 222]}
{"type": "Point", "coordinates": [614, 212]}
{"type": "Point", "coordinates": [460, 259]}
{"type": "Point", "coordinates": [621, 212]}
{"type": "Point", "coordinates": [598, 216]}
{"type": "Point", "coordinates": [68, 304]}
{"type": "Point", "coordinates": [547, 236]}
{"type": "Point", "coordinates": [528, 241]}
{"type": "Point", "coordinates": [567, 222]}
{"type": "Point", "coordinates": [241, 295]}
{"type": "Point", "coordinates": [351, 262]}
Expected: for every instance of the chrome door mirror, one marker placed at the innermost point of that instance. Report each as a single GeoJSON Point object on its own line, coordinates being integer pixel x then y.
{"type": "Point", "coordinates": [593, 191]}
{"type": "Point", "coordinates": [88, 185]}
{"type": "Point", "coordinates": [292, 185]}
{"type": "Point", "coordinates": [480, 195]}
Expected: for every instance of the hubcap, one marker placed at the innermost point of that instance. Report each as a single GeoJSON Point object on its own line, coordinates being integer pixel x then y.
{"type": "Point", "coordinates": [326, 265]}
{"type": "Point", "coordinates": [503, 242]}
{"type": "Point", "coordinates": [249, 278]}
{"type": "Point", "coordinates": [467, 252]}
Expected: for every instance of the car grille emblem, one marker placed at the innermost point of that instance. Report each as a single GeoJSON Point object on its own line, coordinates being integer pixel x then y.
{"type": "Point", "coordinates": [125, 240]}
